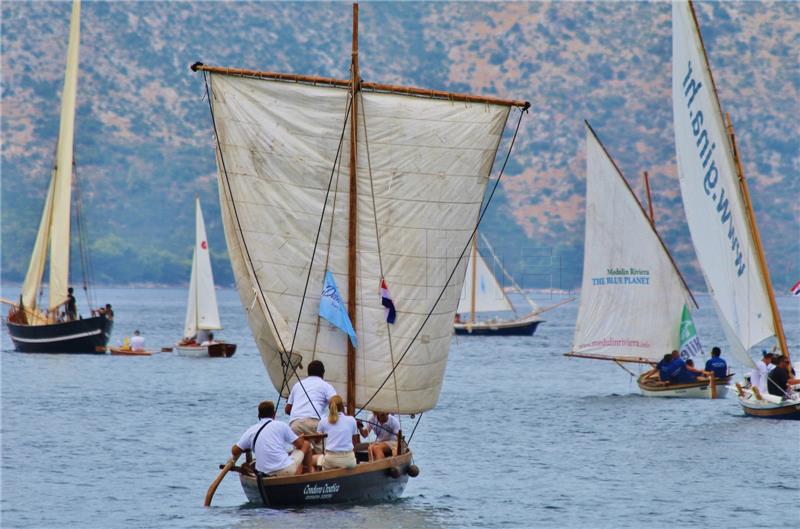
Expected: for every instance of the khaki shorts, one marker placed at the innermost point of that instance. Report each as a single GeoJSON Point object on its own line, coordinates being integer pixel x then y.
{"type": "Point", "coordinates": [331, 460]}
{"type": "Point", "coordinates": [307, 426]}
{"type": "Point", "coordinates": [290, 470]}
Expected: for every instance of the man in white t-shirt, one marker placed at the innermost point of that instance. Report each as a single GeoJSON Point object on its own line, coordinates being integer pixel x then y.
{"type": "Point", "coordinates": [758, 376]}
{"type": "Point", "coordinates": [137, 342]}
{"type": "Point", "coordinates": [308, 401]}
{"type": "Point", "coordinates": [268, 440]}
{"type": "Point", "coordinates": [386, 428]}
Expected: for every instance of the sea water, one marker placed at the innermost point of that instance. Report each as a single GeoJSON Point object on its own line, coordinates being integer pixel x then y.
{"type": "Point", "coordinates": [522, 437]}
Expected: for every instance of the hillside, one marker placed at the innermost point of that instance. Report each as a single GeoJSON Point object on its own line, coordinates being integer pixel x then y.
{"type": "Point", "coordinates": [144, 142]}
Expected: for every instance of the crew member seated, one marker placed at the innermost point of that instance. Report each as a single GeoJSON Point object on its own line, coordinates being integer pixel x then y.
{"type": "Point", "coordinates": [386, 428]}
{"type": "Point", "coordinates": [268, 440]}
{"type": "Point", "coordinates": [716, 364]}
{"type": "Point", "coordinates": [209, 340]}
{"type": "Point", "coordinates": [780, 380]}
{"type": "Point", "coordinates": [342, 433]}
{"type": "Point", "coordinates": [137, 342]}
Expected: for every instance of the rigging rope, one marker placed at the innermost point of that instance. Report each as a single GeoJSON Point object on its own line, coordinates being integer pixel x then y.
{"type": "Point", "coordinates": [452, 273]}
{"type": "Point", "coordinates": [282, 349]}
{"type": "Point", "coordinates": [85, 256]}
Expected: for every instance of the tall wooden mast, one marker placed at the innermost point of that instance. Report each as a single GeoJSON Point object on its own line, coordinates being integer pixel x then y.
{"type": "Point", "coordinates": [762, 260]}
{"type": "Point", "coordinates": [649, 198]}
{"type": "Point", "coordinates": [473, 278]}
{"type": "Point", "coordinates": [353, 217]}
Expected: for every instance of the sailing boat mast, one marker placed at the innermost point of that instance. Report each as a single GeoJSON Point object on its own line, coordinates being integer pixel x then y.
{"type": "Point", "coordinates": [353, 218]}
{"type": "Point", "coordinates": [649, 198]}
{"type": "Point", "coordinates": [474, 279]}
{"type": "Point", "coordinates": [751, 220]}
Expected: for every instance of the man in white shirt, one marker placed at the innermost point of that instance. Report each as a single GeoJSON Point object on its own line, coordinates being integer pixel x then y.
{"type": "Point", "coordinates": [308, 401]}
{"type": "Point", "coordinates": [758, 376]}
{"type": "Point", "coordinates": [137, 342]}
{"type": "Point", "coordinates": [209, 340]}
{"type": "Point", "coordinates": [386, 428]}
{"type": "Point", "coordinates": [268, 440]}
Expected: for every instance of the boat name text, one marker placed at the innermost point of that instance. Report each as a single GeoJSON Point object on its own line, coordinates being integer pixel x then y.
{"type": "Point", "coordinates": [623, 276]}
{"type": "Point", "coordinates": [320, 492]}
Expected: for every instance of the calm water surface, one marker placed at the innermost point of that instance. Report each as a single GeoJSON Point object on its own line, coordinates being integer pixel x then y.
{"type": "Point", "coordinates": [522, 437]}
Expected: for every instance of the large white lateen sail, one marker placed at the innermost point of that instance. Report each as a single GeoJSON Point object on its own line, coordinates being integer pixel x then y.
{"type": "Point", "coordinates": [481, 282]}
{"type": "Point", "coordinates": [422, 167]}
{"type": "Point", "coordinates": [712, 198]}
{"type": "Point", "coordinates": [632, 295]}
{"type": "Point", "coordinates": [201, 310]}
{"type": "Point", "coordinates": [54, 228]}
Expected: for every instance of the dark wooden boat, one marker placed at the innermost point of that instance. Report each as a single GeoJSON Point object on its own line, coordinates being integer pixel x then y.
{"type": "Point", "coordinates": [498, 328]}
{"type": "Point", "coordinates": [36, 328]}
{"type": "Point", "coordinates": [382, 480]}
{"type": "Point", "coordinates": [217, 350]}
{"type": "Point", "coordinates": [88, 335]}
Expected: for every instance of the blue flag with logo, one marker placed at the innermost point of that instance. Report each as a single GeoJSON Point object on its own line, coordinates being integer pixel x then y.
{"type": "Point", "coordinates": [331, 307]}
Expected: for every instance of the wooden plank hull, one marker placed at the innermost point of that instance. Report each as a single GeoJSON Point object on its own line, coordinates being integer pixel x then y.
{"type": "Point", "coordinates": [368, 482]}
{"type": "Point", "coordinates": [119, 351]}
{"type": "Point", "coordinates": [786, 410]}
{"type": "Point", "coordinates": [499, 328]}
{"type": "Point", "coordinates": [695, 390]}
{"type": "Point", "coordinates": [88, 335]}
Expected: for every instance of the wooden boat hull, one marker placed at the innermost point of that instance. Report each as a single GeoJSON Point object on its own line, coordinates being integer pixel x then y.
{"type": "Point", "coordinates": [695, 390]}
{"type": "Point", "coordinates": [498, 328]}
{"type": "Point", "coordinates": [366, 483]}
{"type": "Point", "coordinates": [769, 406]}
{"type": "Point", "coordinates": [118, 351]}
{"type": "Point", "coordinates": [217, 350]}
{"type": "Point", "coordinates": [89, 335]}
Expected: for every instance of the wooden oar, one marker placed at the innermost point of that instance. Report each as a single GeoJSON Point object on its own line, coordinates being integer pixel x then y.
{"type": "Point", "coordinates": [213, 488]}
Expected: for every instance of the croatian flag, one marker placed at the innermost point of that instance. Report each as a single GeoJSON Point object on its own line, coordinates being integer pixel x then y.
{"type": "Point", "coordinates": [332, 308]}
{"type": "Point", "coordinates": [796, 289]}
{"type": "Point", "coordinates": [388, 304]}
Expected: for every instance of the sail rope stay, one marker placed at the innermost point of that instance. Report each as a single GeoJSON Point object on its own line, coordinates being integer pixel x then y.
{"type": "Point", "coordinates": [87, 271]}
{"type": "Point", "coordinates": [287, 359]}
{"type": "Point", "coordinates": [458, 262]}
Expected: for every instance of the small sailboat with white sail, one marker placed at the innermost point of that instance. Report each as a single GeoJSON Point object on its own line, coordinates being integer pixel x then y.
{"type": "Point", "coordinates": [720, 214]}
{"type": "Point", "coordinates": [634, 302]}
{"type": "Point", "coordinates": [482, 294]}
{"type": "Point", "coordinates": [56, 327]}
{"type": "Point", "coordinates": [202, 314]}
{"type": "Point", "coordinates": [374, 187]}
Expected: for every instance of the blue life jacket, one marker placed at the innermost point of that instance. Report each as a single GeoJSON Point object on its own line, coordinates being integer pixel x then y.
{"type": "Point", "coordinates": [718, 366]}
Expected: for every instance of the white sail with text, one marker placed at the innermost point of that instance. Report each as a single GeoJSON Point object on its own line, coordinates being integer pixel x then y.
{"type": "Point", "coordinates": [422, 167]}
{"type": "Point", "coordinates": [632, 294]}
{"type": "Point", "coordinates": [712, 200]}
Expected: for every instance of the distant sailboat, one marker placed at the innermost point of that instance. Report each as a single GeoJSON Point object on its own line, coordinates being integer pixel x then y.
{"type": "Point", "coordinates": [41, 329]}
{"type": "Point", "coordinates": [719, 212]}
{"type": "Point", "coordinates": [483, 294]}
{"type": "Point", "coordinates": [633, 296]}
{"type": "Point", "coordinates": [378, 187]}
{"type": "Point", "coordinates": [202, 315]}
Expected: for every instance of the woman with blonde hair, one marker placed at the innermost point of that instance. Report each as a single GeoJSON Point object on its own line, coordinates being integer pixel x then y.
{"type": "Point", "coordinates": [342, 434]}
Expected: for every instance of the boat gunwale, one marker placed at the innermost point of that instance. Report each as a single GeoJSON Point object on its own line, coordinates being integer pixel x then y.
{"type": "Point", "coordinates": [361, 468]}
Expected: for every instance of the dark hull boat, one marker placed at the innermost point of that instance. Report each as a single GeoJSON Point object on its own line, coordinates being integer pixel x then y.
{"type": "Point", "coordinates": [79, 336]}
{"type": "Point", "coordinates": [382, 480]}
{"type": "Point", "coordinates": [498, 328]}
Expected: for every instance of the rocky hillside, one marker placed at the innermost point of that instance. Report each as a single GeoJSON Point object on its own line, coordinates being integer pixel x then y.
{"type": "Point", "coordinates": [144, 142]}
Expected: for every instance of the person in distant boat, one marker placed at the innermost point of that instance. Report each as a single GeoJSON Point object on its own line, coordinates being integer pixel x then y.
{"type": "Point", "coordinates": [268, 439]}
{"type": "Point", "coordinates": [780, 380]}
{"type": "Point", "coordinates": [137, 342]}
{"type": "Point", "coordinates": [679, 372]}
{"type": "Point", "coordinates": [308, 401]}
{"type": "Point", "coordinates": [342, 434]}
{"type": "Point", "coordinates": [209, 341]}
{"type": "Point", "coordinates": [72, 308]}
{"type": "Point", "coordinates": [758, 375]}
{"type": "Point", "coordinates": [107, 311]}
{"type": "Point", "coordinates": [457, 318]}
{"type": "Point", "coordinates": [386, 428]}
{"type": "Point", "coordinates": [661, 369]}
{"type": "Point", "coordinates": [716, 364]}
